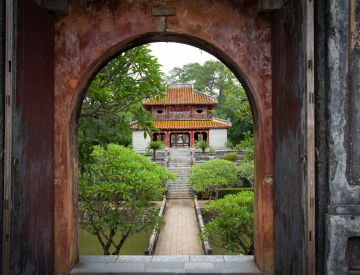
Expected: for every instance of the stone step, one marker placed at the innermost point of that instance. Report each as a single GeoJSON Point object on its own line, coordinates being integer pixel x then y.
{"type": "Point", "coordinates": [189, 196]}
{"type": "Point", "coordinates": [169, 194]}
{"type": "Point", "coordinates": [179, 188]}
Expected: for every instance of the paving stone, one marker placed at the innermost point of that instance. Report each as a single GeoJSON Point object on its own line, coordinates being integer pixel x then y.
{"type": "Point", "coordinates": [179, 235]}
{"type": "Point", "coordinates": [199, 266]}
{"type": "Point", "coordinates": [161, 267]}
{"type": "Point", "coordinates": [237, 267]}
{"type": "Point", "coordinates": [239, 258]}
{"type": "Point", "coordinates": [176, 259]}
{"type": "Point", "coordinates": [85, 267]}
{"type": "Point", "coordinates": [121, 268]}
{"type": "Point", "coordinates": [168, 265]}
{"type": "Point", "coordinates": [98, 258]}
{"type": "Point", "coordinates": [207, 258]}
{"type": "Point", "coordinates": [128, 258]}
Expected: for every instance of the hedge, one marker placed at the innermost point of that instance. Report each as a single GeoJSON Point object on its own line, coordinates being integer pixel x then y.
{"type": "Point", "coordinates": [227, 191]}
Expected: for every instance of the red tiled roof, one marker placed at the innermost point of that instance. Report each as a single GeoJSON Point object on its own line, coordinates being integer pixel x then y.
{"type": "Point", "coordinates": [182, 95]}
{"type": "Point", "coordinates": [191, 124]}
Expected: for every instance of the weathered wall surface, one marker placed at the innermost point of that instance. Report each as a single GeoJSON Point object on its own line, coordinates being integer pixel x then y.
{"type": "Point", "coordinates": [289, 116]}
{"type": "Point", "coordinates": [2, 107]}
{"type": "Point", "coordinates": [321, 115]}
{"type": "Point", "coordinates": [93, 31]}
{"type": "Point", "coordinates": [138, 140]}
{"type": "Point", "coordinates": [343, 101]}
{"type": "Point", "coordinates": [217, 138]}
{"type": "Point", "coordinates": [32, 188]}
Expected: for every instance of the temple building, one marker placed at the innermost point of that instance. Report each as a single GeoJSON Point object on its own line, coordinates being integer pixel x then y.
{"type": "Point", "coordinates": [182, 117]}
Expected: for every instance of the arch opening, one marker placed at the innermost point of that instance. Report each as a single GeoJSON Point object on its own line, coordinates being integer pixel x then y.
{"type": "Point", "coordinates": [73, 77]}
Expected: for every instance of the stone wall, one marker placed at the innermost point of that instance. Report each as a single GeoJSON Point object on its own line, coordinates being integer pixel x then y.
{"type": "Point", "coordinates": [138, 140]}
{"type": "Point", "coordinates": [342, 221]}
{"type": "Point", "coordinates": [217, 138]}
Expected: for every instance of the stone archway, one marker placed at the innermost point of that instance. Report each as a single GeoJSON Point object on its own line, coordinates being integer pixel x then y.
{"type": "Point", "coordinates": [94, 31]}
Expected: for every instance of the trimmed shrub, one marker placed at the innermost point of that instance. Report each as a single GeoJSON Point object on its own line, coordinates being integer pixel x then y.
{"type": "Point", "coordinates": [233, 156]}
{"type": "Point", "coordinates": [231, 224]}
{"type": "Point", "coordinates": [212, 175]}
{"type": "Point", "coordinates": [222, 192]}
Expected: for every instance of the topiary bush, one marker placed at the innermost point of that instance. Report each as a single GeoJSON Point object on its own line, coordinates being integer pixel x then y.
{"type": "Point", "coordinates": [233, 225]}
{"type": "Point", "coordinates": [246, 171]}
{"type": "Point", "coordinates": [212, 175]}
{"type": "Point", "coordinates": [232, 156]}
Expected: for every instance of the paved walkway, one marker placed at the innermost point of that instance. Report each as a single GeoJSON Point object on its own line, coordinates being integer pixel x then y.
{"type": "Point", "coordinates": [179, 236]}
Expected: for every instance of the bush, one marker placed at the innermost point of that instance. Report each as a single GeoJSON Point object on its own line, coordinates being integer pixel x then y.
{"type": "Point", "coordinates": [222, 192]}
{"type": "Point", "coordinates": [233, 156]}
{"type": "Point", "coordinates": [212, 175]}
{"type": "Point", "coordinates": [233, 227]}
{"type": "Point", "coordinates": [232, 190]}
{"type": "Point", "coordinates": [246, 170]}
{"type": "Point", "coordinates": [247, 144]}
{"type": "Point", "coordinates": [202, 145]}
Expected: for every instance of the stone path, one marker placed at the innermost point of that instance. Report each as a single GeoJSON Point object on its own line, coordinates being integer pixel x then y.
{"type": "Point", "coordinates": [179, 236]}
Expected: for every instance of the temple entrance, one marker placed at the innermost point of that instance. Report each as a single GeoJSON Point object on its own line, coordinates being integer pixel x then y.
{"type": "Point", "coordinates": [200, 136]}
{"type": "Point", "coordinates": [180, 139]}
{"type": "Point", "coordinates": [158, 137]}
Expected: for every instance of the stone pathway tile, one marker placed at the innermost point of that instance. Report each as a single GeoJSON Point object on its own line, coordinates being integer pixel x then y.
{"type": "Point", "coordinates": [179, 236]}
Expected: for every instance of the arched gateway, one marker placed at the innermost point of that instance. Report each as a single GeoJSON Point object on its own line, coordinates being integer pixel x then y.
{"type": "Point", "coordinates": [94, 31]}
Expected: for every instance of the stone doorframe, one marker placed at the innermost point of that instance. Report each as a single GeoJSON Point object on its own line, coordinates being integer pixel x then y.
{"type": "Point", "coordinates": [92, 33]}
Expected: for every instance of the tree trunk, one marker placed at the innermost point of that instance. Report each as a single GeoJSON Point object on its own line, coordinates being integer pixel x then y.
{"type": "Point", "coordinates": [106, 246]}
{"type": "Point", "coordinates": [121, 243]}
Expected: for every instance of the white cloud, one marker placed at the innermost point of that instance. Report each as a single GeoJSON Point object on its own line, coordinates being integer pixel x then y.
{"type": "Point", "coordinates": [172, 55]}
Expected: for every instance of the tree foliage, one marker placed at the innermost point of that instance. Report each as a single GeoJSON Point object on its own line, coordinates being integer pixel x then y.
{"type": "Point", "coordinates": [212, 175]}
{"type": "Point", "coordinates": [233, 227]}
{"type": "Point", "coordinates": [154, 146]}
{"type": "Point", "coordinates": [202, 145]}
{"type": "Point", "coordinates": [246, 169]}
{"type": "Point", "coordinates": [209, 78]}
{"type": "Point", "coordinates": [114, 98]}
{"type": "Point", "coordinates": [116, 198]}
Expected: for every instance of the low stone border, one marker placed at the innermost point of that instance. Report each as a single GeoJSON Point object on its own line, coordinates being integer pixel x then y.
{"type": "Point", "coordinates": [150, 250]}
{"type": "Point", "coordinates": [205, 242]}
{"type": "Point", "coordinates": [199, 264]}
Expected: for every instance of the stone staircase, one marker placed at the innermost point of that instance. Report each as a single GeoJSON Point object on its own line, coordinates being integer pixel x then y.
{"type": "Point", "coordinates": [180, 164]}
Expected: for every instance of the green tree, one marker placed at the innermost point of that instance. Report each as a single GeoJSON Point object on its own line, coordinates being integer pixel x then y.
{"type": "Point", "coordinates": [114, 98]}
{"type": "Point", "coordinates": [116, 198]}
{"type": "Point", "coordinates": [246, 169]}
{"type": "Point", "coordinates": [202, 145]}
{"type": "Point", "coordinates": [233, 227]}
{"type": "Point", "coordinates": [215, 79]}
{"type": "Point", "coordinates": [212, 175]}
{"type": "Point", "coordinates": [154, 146]}
{"type": "Point", "coordinates": [209, 78]}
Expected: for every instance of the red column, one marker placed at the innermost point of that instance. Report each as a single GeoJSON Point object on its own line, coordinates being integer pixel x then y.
{"type": "Point", "coordinates": [167, 139]}
{"type": "Point", "coordinates": [192, 138]}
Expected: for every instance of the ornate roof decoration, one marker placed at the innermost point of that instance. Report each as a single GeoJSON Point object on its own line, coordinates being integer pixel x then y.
{"type": "Point", "coordinates": [189, 124]}
{"type": "Point", "coordinates": [182, 94]}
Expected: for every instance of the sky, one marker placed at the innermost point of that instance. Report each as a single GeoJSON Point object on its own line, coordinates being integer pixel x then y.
{"type": "Point", "coordinates": [172, 55]}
